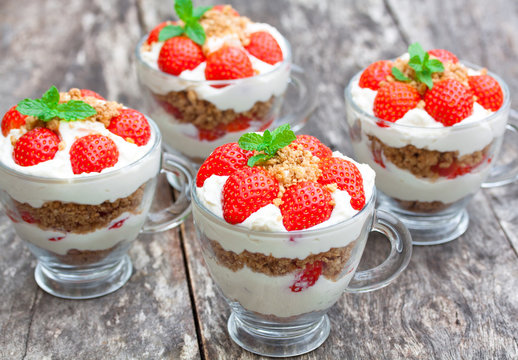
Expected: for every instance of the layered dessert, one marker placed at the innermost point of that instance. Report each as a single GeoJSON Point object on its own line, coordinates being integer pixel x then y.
{"type": "Point", "coordinates": [212, 76]}
{"type": "Point", "coordinates": [74, 170]}
{"type": "Point", "coordinates": [282, 221]}
{"type": "Point", "coordinates": [429, 125]}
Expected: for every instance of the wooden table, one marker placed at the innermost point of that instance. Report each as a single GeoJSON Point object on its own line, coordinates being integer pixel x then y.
{"type": "Point", "coordinates": [454, 301]}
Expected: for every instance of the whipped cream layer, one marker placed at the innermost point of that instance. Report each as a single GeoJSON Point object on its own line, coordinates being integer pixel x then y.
{"type": "Point", "coordinates": [269, 219]}
{"type": "Point", "coordinates": [270, 80]}
{"type": "Point", "coordinates": [54, 180]}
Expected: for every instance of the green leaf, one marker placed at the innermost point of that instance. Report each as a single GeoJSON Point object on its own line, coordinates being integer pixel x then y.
{"type": "Point", "coordinates": [415, 49]}
{"type": "Point", "coordinates": [426, 77]}
{"type": "Point", "coordinates": [250, 141]}
{"type": "Point", "coordinates": [280, 129]}
{"type": "Point", "coordinates": [259, 157]}
{"type": "Point", "coordinates": [199, 11]}
{"type": "Point", "coordinates": [183, 9]}
{"type": "Point", "coordinates": [170, 31]}
{"type": "Point", "coordinates": [32, 107]}
{"type": "Point", "coordinates": [435, 65]}
{"type": "Point", "coordinates": [195, 32]}
{"type": "Point", "coordinates": [51, 96]}
{"type": "Point", "coordinates": [267, 137]}
{"type": "Point", "coordinates": [398, 75]}
{"type": "Point", "coordinates": [75, 110]}
{"type": "Point", "coordinates": [283, 139]}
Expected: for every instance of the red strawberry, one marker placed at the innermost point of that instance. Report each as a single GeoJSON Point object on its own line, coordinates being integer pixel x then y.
{"type": "Point", "coordinates": [228, 63]}
{"type": "Point", "coordinates": [93, 153]}
{"type": "Point", "coordinates": [347, 176]}
{"type": "Point", "coordinates": [223, 161]}
{"type": "Point", "coordinates": [246, 191]}
{"type": "Point", "coordinates": [224, 7]}
{"type": "Point", "coordinates": [90, 93]}
{"type": "Point", "coordinates": [153, 35]}
{"type": "Point", "coordinates": [212, 134]}
{"type": "Point", "coordinates": [394, 100]}
{"type": "Point", "coordinates": [305, 204]}
{"type": "Point", "coordinates": [452, 171]}
{"type": "Point", "coordinates": [264, 47]}
{"type": "Point", "coordinates": [487, 90]}
{"type": "Point", "coordinates": [36, 146]}
{"type": "Point", "coordinates": [443, 55]}
{"type": "Point", "coordinates": [374, 74]}
{"type": "Point", "coordinates": [12, 119]}
{"type": "Point", "coordinates": [131, 125]}
{"type": "Point", "coordinates": [449, 102]}
{"type": "Point", "coordinates": [307, 277]}
{"type": "Point", "coordinates": [178, 54]}
{"type": "Point", "coordinates": [314, 145]}
{"type": "Point", "coordinates": [238, 124]}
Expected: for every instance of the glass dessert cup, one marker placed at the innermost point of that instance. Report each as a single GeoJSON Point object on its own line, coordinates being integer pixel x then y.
{"type": "Point", "coordinates": [432, 207]}
{"type": "Point", "coordinates": [193, 126]}
{"type": "Point", "coordinates": [80, 228]}
{"type": "Point", "coordinates": [260, 275]}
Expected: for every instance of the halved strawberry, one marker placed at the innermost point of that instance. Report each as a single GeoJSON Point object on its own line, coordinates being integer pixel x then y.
{"type": "Point", "coordinates": [247, 190]}
{"type": "Point", "coordinates": [239, 124]}
{"type": "Point", "coordinates": [90, 93]}
{"type": "Point", "coordinates": [313, 145]}
{"type": "Point", "coordinates": [35, 146]}
{"type": "Point", "coordinates": [228, 63]}
{"type": "Point", "coordinates": [153, 35]}
{"type": "Point", "coordinates": [12, 119]}
{"type": "Point", "coordinates": [374, 74]}
{"type": "Point", "coordinates": [223, 161]}
{"type": "Point", "coordinates": [93, 153]}
{"type": "Point", "coordinates": [487, 90]}
{"type": "Point", "coordinates": [449, 102]}
{"type": "Point", "coordinates": [443, 55]}
{"type": "Point", "coordinates": [264, 47]}
{"type": "Point", "coordinates": [394, 99]}
{"type": "Point", "coordinates": [131, 125]}
{"type": "Point", "coordinates": [347, 176]}
{"type": "Point", "coordinates": [307, 277]}
{"type": "Point", "coordinates": [178, 54]}
{"type": "Point", "coordinates": [305, 204]}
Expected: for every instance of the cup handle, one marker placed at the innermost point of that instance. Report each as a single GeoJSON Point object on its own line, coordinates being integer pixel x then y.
{"type": "Point", "coordinates": [398, 259]}
{"type": "Point", "coordinates": [181, 174]}
{"type": "Point", "coordinates": [305, 99]}
{"type": "Point", "coordinates": [506, 173]}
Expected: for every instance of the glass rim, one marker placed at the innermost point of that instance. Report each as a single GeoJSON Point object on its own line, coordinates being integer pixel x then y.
{"type": "Point", "coordinates": [369, 204]}
{"type": "Point", "coordinates": [91, 176]}
{"type": "Point", "coordinates": [286, 62]}
{"type": "Point", "coordinates": [456, 127]}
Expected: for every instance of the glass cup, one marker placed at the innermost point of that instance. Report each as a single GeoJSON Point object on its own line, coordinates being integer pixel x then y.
{"type": "Point", "coordinates": [430, 198]}
{"type": "Point", "coordinates": [80, 228]}
{"type": "Point", "coordinates": [276, 310]}
{"type": "Point", "coordinates": [195, 117]}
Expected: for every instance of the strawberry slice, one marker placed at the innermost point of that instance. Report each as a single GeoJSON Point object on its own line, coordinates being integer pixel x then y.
{"type": "Point", "coordinates": [346, 176]}
{"type": "Point", "coordinates": [444, 55]}
{"type": "Point", "coordinates": [132, 126]}
{"type": "Point", "coordinates": [223, 161]}
{"type": "Point", "coordinates": [239, 124]}
{"type": "Point", "coordinates": [247, 190]}
{"type": "Point", "coordinates": [153, 35]}
{"type": "Point", "coordinates": [449, 102]}
{"type": "Point", "coordinates": [12, 119]}
{"type": "Point", "coordinates": [374, 74]}
{"type": "Point", "coordinates": [178, 54]}
{"type": "Point", "coordinates": [264, 47]}
{"type": "Point", "coordinates": [35, 146]}
{"type": "Point", "coordinates": [313, 145]}
{"type": "Point", "coordinates": [487, 90]}
{"type": "Point", "coordinates": [228, 63]}
{"type": "Point", "coordinates": [212, 134]}
{"type": "Point", "coordinates": [307, 277]}
{"type": "Point", "coordinates": [305, 204]}
{"type": "Point", "coordinates": [90, 93]}
{"type": "Point", "coordinates": [93, 153]}
{"type": "Point", "coordinates": [394, 99]}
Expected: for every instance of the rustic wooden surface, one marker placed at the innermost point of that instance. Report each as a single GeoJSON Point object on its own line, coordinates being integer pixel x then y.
{"type": "Point", "coordinates": [455, 301]}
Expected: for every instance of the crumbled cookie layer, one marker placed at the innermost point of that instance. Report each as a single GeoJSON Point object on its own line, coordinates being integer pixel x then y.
{"type": "Point", "coordinates": [425, 207]}
{"type": "Point", "coordinates": [333, 261]}
{"type": "Point", "coordinates": [423, 163]}
{"type": "Point", "coordinates": [79, 218]}
{"type": "Point", "coordinates": [85, 257]}
{"type": "Point", "coordinates": [186, 107]}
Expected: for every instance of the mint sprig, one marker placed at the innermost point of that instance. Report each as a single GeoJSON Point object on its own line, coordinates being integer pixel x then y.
{"type": "Point", "coordinates": [268, 144]}
{"type": "Point", "coordinates": [48, 107]}
{"type": "Point", "coordinates": [423, 66]}
{"type": "Point", "coordinates": [190, 17]}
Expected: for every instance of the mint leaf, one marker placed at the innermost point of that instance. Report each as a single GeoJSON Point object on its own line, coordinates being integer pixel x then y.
{"type": "Point", "coordinates": [280, 129]}
{"type": "Point", "coordinates": [51, 96]}
{"type": "Point", "coordinates": [250, 141]}
{"type": "Point", "coordinates": [426, 77]}
{"type": "Point", "coordinates": [398, 75]}
{"type": "Point", "coordinates": [199, 11]}
{"type": "Point", "coordinates": [170, 31]}
{"type": "Point", "coordinates": [75, 110]}
{"type": "Point", "coordinates": [283, 139]}
{"type": "Point", "coordinates": [423, 66]}
{"type": "Point", "coordinates": [183, 9]}
{"type": "Point", "coordinates": [195, 32]}
{"type": "Point", "coordinates": [256, 158]}
{"type": "Point", "coordinates": [415, 49]}
{"type": "Point", "coordinates": [267, 137]}
{"type": "Point", "coordinates": [435, 65]}
{"type": "Point", "coordinates": [32, 107]}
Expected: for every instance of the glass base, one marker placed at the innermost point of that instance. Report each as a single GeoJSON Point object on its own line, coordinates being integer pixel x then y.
{"type": "Point", "coordinates": [278, 340]}
{"type": "Point", "coordinates": [83, 283]}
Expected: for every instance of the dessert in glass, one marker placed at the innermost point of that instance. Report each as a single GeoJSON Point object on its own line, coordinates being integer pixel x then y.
{"type": "Point", "coordinates": [431, 127]}
{"type": "Point", "coordinates": [283, 223]}
{"type": "Point", "coordinates": [77, 178]}
{"type": "Point", "coordinates": [214, 75]}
